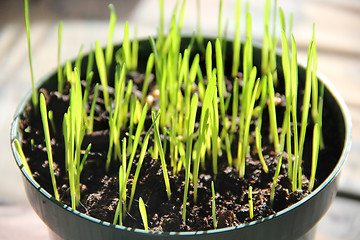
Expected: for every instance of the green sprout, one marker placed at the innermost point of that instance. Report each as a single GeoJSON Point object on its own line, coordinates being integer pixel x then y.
{"type": "Point", "coordinates": [79, 59]}
{"type": "Point", "coordinates": [52, 121]}
{"type": "Point", "coordinates": [22, 157]}
{"type": "Point", "coordinates": [90, 66]}
{"type": "Point", "coordinates": [43, 111]}
{"type": "Point", "coordinates": [315, 155]}
{"type": "Point", "coordinates": [60, 70]}
{"type": "Point", "coordinates": [304, 117]}
{"type": "Point", "coordinates": [143, 213]}
{"type": "Point", "coordinates": [122, 191]}
{"type": "Point", "coordinates": [275, 179]}
{"type": "Point", "coordinates": [162, 156]}
{"type": "Point", "coordinates": [139, 129]}
{"type": "Point", "coordinates": [251, 203]}
{"type": "Point", "coordinates": [149, 67]}
{"type": "Point", "coordinates": [100, 61]}
{"type": "Point", "coordinates": [237, 41]}
{"type": "Point", "coordinates": [250, 96]}
{"type": "Point", "coordinates": [138, 167]}
{"type": "Point", "coordinates": [213, 205]}
{"type": "Point", "coordinates": [189, 140]}
{"type": "Point", "coordinates": [272, 114]}
{"type": "Point", "coordinates": [35, 99]}
{"type": "Point", "coordinates": [110, 46]}
{"type": "Point", "coordinates": [258, 146]}
{"type": "Point", "coordinates": [207, 103]}
{"type": "Point", "coordinates": [92, 110]}
{"type": "Point", "coordinates": [73, 131]}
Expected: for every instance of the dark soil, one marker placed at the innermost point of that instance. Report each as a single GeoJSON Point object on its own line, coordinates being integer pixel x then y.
{"type": "Point", "coordinates": [99, 196]}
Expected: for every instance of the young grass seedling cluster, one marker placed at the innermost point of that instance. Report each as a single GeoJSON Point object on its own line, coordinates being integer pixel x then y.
{"type": "Point", "coordinates": [191, 123]}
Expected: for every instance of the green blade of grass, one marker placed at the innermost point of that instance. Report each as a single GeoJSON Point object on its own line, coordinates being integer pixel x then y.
{"type": "Point", "coordinates": [138, 167]}
{"type": "Point", "coordinates": [122, 187]}
{"type": "Point", "coordinates": [188, 152]}
{"type": "Point", "coordinates": [258, 146]}
{"type": "Point", "coordinates": [143, 213]}
{"type": "Point", "coordinates": [213, 205]}
{"type": "Point", "coordinates": [272, 114]}
{"type": "Point", "coordinates": [162, 157]}
{"type": "Point", "coordinates": [139, 128]}
{"type": "Point", "coordinates": [305, 112]}
{"type": "Point", "coordinates": [127, 46]}
{"type": "Point", "coordinates": [220, 75]}
{"type": "Point", "coordinates": [45, 123]}
{"type": "Point", "coordinates": [237, 40]}
{"type": "Point", "coordinates": [92, 109]}
{"type": "Point", "coordinates": [90, 63]}
{"type": "Point", "coordinates": [276, 175]}
{"type": "Point", "coordinates": [60, 70]}
{"type": "Point", "coordinates": [208, 100]}
{"type": "Point", "coordinates": [235, 104]}
{"type": "Point", "coordinates": [214, 126]}
{"type": "Point", "coordinates": [135, 51]}
{"type": "Point", "coordinates": [251, 203]}
{"type": "Point", "coordinates": [149, 67]}
{"type": "Point", "coordinates": [315, 155]}
{"type": "Point", "coordinates": [110, 46]}
{"type": "Point", "coordinates": [220, 21]}
{"type": "Point", "coordinates": [79, 59]}
{"type": "Point", "coordinates": [100, 61]}
{"type": "Point", "coordinates": [35, 99]}
{"type": "Point", "coordinates": [22, 157]}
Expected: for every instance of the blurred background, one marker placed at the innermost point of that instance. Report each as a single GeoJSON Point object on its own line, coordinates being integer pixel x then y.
{"type": "Point", "coordinates": [84, 21]}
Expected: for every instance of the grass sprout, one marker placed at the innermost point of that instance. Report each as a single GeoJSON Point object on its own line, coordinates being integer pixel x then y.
{"type": "Point", "coordinates": [73, 132]}
{"type": "Point", "coordinates": [162, 156]}
{"type": "Point", "coordinates": [213, 205]}
{"type": "Point", "coordinates": [60, 70]}
{"type": "Point", "coordinates": [258, 146]}
{"type": "Point", "coordinates": [142, 209]}
{"type": "Point", "coordinates": [189, 140]}
{"type": "Point", "coordinates": [22, 157]}
{"type": "Point", "coordinates": [138, 167]}
{"type": "Point", "coordinates": [208, 100]}
{"type": "Point", "coordinates": [43, 111]}
{"type": "Point", "coordinates": [315, 155]}
{"type": "Point", "coordinates": [100, 61]}
{"type": "Point", "coordinates": [110, 46]}
{"type": "Point", "coordinates": [251, 203]}
{"type": "Point", "coordinates": [276, 175]}
{"type": "Point", "coordinates": [35, 99]}
{"type": "Point", "coordinates": [237, 40]}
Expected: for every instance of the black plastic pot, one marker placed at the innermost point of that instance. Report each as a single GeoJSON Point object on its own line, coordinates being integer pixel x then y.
{"type": "Point", "coordinates": [295, 222]}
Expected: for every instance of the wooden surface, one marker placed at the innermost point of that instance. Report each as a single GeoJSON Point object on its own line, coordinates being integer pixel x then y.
{"type": "Point", "coordinates": [338, 38]}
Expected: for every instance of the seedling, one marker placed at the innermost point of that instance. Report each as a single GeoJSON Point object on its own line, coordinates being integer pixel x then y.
{"type": "Point", "coordinates": [275, 179]}
{"type": "Point", "coordinates": [110, 46]}
{"type": "Point", "coordinates": [213, 205]}
{"type": "Point", "coordinates": [258, 146]}
{"type": "Point", "coordinates": [35, 99]}
{"type": "Point", "coordinates": [143, 213]}
{"type": "Point", "coordinates": [315, 154]}
{"type": "Point", "coordinates": [60, 69]}
{"type": "Point", "coordinates": [162, 156]}
{"type": "Point", "coordinates": [237, 42]}
{"type": "Point", "coordinates": [251, 203]}
{"type": "Point", "coordinates": [22, 157]}
{"type": "Point", "coordinates": [100, 61]}
{"type": "Point", "coordinates": [43, 111]}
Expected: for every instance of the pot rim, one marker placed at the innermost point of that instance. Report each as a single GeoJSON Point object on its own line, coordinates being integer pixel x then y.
{"type": "Point", "coordinates": [14, 134]}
